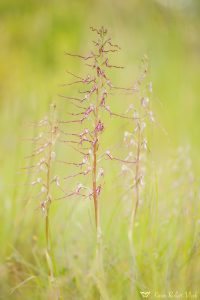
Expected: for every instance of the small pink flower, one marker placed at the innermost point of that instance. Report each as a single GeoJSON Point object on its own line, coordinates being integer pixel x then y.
{"type": "Point", "coordinates": [151, 116]}
{"type": "Point", "coordinates": [89, 110]}
{"type": "Point", "coordinates": [99, 127]}
{"type": "Point", "coordinates": [101, 172]}
{"type": "Point", "coordinates": [109, 154]}
{"type": "Point", "coordinates": [150, 87]}
{"type": "Point", "coordinates": [145, 101]}
{"type": "Point", "coordinates": [79, 188]}
{"type": "Point", "coordinates": [98, 190]}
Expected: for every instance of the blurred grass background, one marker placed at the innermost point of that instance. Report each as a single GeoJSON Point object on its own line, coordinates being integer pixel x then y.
{"type": "Point", "coordinates": [33, 38]}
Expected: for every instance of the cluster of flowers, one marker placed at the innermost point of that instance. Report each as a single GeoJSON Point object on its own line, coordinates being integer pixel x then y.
{"type": "Point", "coordinates": [135, 140]}
{"type": "Point", "coordinates": [43, 157]}
{"type": "Point", "coordinates": [91, 104]}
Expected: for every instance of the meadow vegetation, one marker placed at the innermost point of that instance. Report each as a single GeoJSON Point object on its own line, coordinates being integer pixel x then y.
{"type": "Point", "coordinates": [99, 150]}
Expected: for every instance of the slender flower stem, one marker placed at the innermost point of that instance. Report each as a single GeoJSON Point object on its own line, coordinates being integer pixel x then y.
{"type": "Point", "coordinates": [136, 199]}
{"type": "Point", "coordinates": [96, 207]}
{"type": "Point", "coordinates": [44, 155]}
{"type": "Point", "coordinates": [95, 149]}
{"type": "Point", "coordinates": [135, 202]}
{"type": "Point", "coordinates": [47, 232]}
{"type": "Point", "coordinates": [48, 189]}
{"type": "Point", "coordinates": [137, 172]}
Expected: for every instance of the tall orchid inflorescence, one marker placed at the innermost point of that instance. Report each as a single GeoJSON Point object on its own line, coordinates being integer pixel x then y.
{"type": "Point", "coordinates": [92, 103]}
{"type": "Point", "coordinates": [42, 161]}
{"type": "Point", "coordinates": [139, 113]}
{"type": "Point", "coordinates": [135, 140]}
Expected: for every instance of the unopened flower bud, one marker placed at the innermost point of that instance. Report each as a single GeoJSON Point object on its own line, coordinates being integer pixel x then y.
{"type": "Point", "coordinates": [127, 134]}
{"type": "Point", "coordinates": [144, 144]}
{"type": "Point", "coordinates": [143, 125]}
{"type": "Point", "coordinates": [84, 161]}
{"type": "Point", "coordinates": [141, 180]}
{"type": "Point", "coordinates": [101, 172]}
{"type": "Point", "coordinates": [131, 107]}
{"type": "Point", "coordinates": [79, 187]}
{"type": "Point", "coordinates": [109, 154]}
{"type": "Point", "coordinates": [43, 189]}
{"type": "Point", "coordinates": [145, 101]}
{"type": "Point", "coordinates": [150, 87]}
{"type": "Point", "coordinates": [151, 116]}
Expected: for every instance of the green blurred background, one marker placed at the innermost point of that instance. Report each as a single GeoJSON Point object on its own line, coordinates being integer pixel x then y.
{"type": "Point", "coordinates": [35, 34]}
{"type": "Point", "coordinates": [33, 37]}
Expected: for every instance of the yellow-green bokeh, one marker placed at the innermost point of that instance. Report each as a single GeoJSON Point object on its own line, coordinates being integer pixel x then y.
{"type": "Point", "coordinates": [33, 38]}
